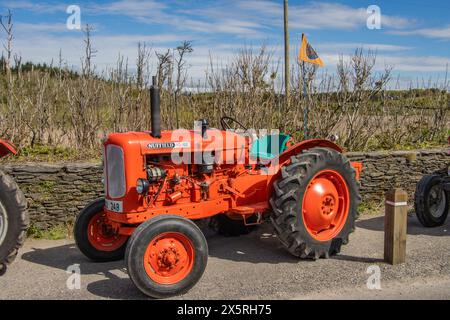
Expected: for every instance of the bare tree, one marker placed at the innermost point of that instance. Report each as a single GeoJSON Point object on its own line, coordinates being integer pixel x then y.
{"type": "Point", "coordinates": [143, 57]}
{"type": "Point", "coordinates": [164, 76]}
{"type": "Point", "coordinates": [164, 67]}
{"type": "Point", "coordinates": [181, 73]}
{"type": "Point", "coordinates": [7, 25]}
{"type": "Point", "coordinates": [84, 99]}
{"type": "Point", "coordinates": [89, 52]}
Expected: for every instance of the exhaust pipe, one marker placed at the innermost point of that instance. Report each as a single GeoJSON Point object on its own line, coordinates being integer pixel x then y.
{"type": "Point", "coordinates": [155, 108]}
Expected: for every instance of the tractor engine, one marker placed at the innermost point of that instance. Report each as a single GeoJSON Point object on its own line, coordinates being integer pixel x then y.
{"type": "Point", "coordinates": [144, 175]}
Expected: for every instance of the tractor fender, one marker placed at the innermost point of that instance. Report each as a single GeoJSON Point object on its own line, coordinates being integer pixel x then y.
{"type": "Point", "coordinates": [6, 148]}
{"type": "Point", "coordinates": [277, 163]}
{"type": "Point", "coordinates": [274, 169]}
{"type": "Point", "coordinates": [307, 144]}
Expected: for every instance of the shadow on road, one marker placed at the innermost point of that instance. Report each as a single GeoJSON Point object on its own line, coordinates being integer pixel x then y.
{"type": "Point", "coordinates": [414, 226]}
{"type": "Point", "coordinates": [260, 246]}
{"type": "Point", "coordinates": [116, 286]}
{"type": "Point", "coordinates": [358, 259]}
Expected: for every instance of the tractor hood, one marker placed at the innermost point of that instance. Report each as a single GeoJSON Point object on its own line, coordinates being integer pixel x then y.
{"type": "Point", "coordinates": [180, 141]}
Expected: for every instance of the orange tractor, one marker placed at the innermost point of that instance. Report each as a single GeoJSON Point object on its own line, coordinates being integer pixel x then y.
{"type": "Point", "coordinates": [157, 183]}
{"type": "Point", "coordinates": [13, 213]}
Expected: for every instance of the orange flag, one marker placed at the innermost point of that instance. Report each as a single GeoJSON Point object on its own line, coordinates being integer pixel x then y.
{"type": "Point", "coordinates": [308, 54]}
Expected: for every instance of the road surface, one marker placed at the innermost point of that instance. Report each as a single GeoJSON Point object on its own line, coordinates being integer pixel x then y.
{"type": "Point", "coordinates": [252, 267]}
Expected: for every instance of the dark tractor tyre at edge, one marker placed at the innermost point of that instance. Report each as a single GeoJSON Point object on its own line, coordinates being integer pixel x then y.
{"type": "Point", "coordinates": [164, 240]}
{"type": "Point", "coordinates": [228, 227]}
{"type": "Point", "coordinates": [14, 220]}
{"type": "Point", "coordinates": [93, 237]}
{"type": "Point", "coordinates": [422, 203]}
{"type": "Point", "coordinates": [291, 193]}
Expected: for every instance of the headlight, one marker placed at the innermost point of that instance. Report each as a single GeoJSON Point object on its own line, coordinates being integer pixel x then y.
{"type": "Point", "coordinates": [142, 186]}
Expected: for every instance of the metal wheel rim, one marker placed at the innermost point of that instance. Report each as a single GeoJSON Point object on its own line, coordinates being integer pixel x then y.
{"type": "Point", "coordinates": [3, 223]}
{"type": "Point", "coordinates": [436, 201]}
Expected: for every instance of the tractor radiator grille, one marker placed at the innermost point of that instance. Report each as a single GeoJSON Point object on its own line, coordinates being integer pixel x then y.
{"type": "Point", "coordinates": [115, 172]}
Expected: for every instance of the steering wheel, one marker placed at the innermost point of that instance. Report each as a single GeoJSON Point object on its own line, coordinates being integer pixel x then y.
{"type": "Point", "coordinates": [226, 122]}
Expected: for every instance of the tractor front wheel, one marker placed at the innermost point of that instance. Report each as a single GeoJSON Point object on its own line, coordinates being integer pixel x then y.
{"type": "Point", "coordinates": [14, 220]}
{"type": "Point", "coordinates": [166, 256]}
{"type": "Point", "coordinates": [315, 203]}
{"type": "Point", "coordinates": [95, 237]}
{"type": "Point", "coordinates": [431, 201]}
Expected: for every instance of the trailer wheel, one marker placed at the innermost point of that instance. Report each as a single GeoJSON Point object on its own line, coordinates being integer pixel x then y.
{"type": "Point", "coordinates": [14, 220]}
{"type": "Point", "coordinates": [431, 201]}
{"type": "Point", "coordinates": [315, 203]}
{"type": "Point", "coordinates": [95, 237]}
{"type": "Point", "coordinates": [229, 227]}
{"type": "Point", "coordinates": [166, 256]}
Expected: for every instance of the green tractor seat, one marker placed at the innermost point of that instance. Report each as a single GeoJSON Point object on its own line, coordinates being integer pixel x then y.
{"type": "Point", "coordinates": [265, 149]}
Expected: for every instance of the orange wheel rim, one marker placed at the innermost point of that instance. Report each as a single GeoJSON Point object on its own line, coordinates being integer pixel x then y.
{"type": "Point", "coordinates": [169, 258]}
{"type": "Point", "coordinates": [326, 205]}
{"type": "Point", "coordinates": [102, 236]}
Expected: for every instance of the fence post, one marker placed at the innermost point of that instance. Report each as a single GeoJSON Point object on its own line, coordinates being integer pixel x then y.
{"type": "Point", "coordinates": [395, 226]}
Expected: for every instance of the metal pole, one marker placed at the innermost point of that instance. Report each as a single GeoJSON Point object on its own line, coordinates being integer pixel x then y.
{"type": "Point", "coordinates": [306, 101]}
{"type": "Point", "coordinates": [286, 52]}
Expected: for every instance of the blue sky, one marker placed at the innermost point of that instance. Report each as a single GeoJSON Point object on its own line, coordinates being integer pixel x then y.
{"type": "Point", "coordinates": [414, 37]}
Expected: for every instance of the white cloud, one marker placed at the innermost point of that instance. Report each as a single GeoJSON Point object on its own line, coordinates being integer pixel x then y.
{"type": "Point", "coordinates": [45, 47]}
{"type": "Point", "coordinates": [319, 15]}
{"type": "Point", "coordinates": [337, 16]}
{"type": "Point", "coordinates": [139, 9]}
{"type": "Point", "coordinates": [343, 47]}
{"type": "Point", "coordinates": [401, 63]}
{"type": "Point", "coordinates": [244, 18]}
{"type": "Point", "coordinates": [436, 33]}
{"type": "Point", "coordinates": [23, 27]}
{"type": "Point", "coordinates": [33, 6]}
{"type": "Point", "coordinates": [249, 19]}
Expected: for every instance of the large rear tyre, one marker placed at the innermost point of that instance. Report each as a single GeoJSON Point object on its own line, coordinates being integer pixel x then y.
{"type": "Point", "coordinates": [166, 256]}
{"type": "Point", "coordinates": [95, 236]}
{"type": "Point", "coordinates": [431, 201]}
{"type": "Point", "coordinates": [315, 203]}
{"type": "Point", "coordinates": [14, 220]}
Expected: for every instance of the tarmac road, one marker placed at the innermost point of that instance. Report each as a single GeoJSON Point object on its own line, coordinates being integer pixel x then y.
{"type": "Point", "coordinates": [252, 267]}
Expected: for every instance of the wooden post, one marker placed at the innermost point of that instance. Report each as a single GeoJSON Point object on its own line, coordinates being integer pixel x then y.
{"type": "Point", "coordinates": [395, 225]}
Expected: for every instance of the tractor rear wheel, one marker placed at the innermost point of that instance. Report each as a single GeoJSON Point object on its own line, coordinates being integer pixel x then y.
{"type": "Point", "coordinates": [315, 203]}
{"type": "Point", "coordinates": [229, 227]}
{"type": "Point", "coordinates": [95, 237]}
{"type": "Point", "coordinates": [166, 256]}
{"type": "Point", "coordinates": [431, 201]}
{"type": "Point", "coordinates": [13, 220]}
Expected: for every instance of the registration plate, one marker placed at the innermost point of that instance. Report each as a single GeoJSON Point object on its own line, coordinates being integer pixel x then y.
{"type": "Point", "coordinates": [115, 206]}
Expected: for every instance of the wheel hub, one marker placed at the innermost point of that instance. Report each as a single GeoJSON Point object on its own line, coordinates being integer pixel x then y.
{"type": "Point", "coordinates": [436, 201]}
{"type": "Point", "coordinates": [320, 203]}
{"type": "Point", "coordinates": [328, 205]}
{"type": "Point", "coordinates": [325, 205]}
{"type": "Point", "coordinates": [169, 258]}
{"type": "Point", "coordinates": [102, 235]}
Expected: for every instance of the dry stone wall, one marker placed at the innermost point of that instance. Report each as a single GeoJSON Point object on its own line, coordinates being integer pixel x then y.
{"type": "Point", "coordinates": [56, 192]}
